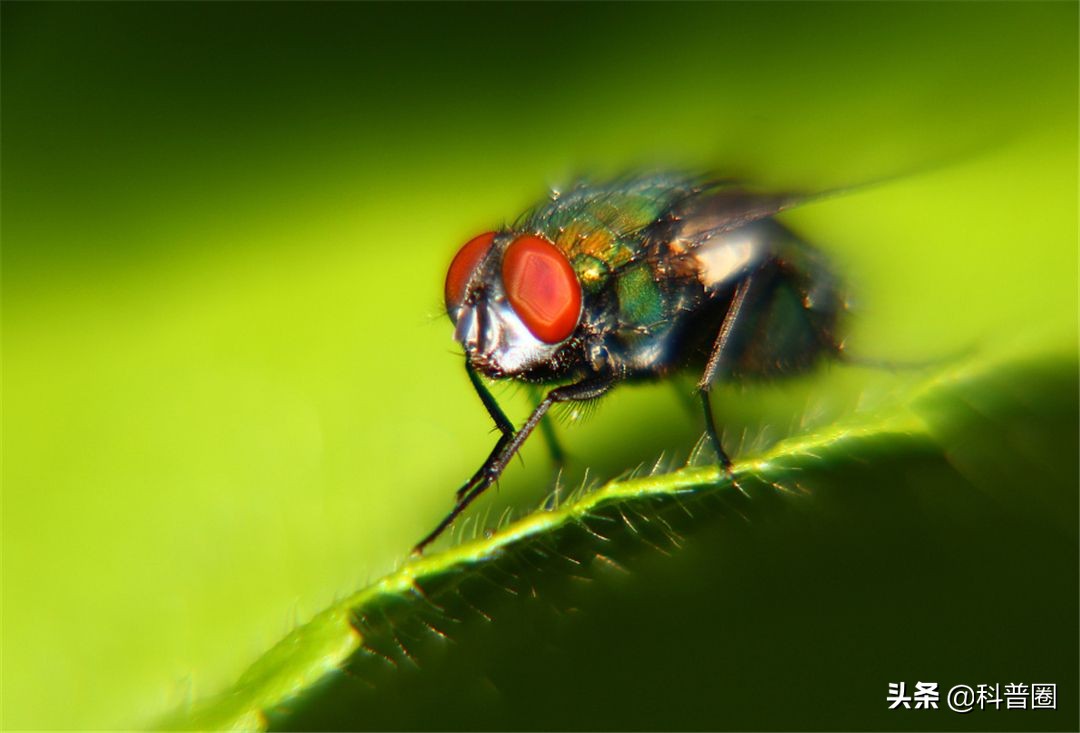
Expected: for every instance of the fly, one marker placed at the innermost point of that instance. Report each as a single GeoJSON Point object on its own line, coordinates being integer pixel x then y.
{"type": "Point", "coordinates": [634, 280]}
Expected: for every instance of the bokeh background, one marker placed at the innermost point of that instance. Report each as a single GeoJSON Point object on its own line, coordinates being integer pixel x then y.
{"type": "Point", "coordinates": [230, 393]}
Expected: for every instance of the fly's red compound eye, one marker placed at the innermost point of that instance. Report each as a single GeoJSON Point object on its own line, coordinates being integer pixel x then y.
{"type": "Point", "coordinates": [542, 288]}
{"type": "Point", "coordinates": [461, 269]}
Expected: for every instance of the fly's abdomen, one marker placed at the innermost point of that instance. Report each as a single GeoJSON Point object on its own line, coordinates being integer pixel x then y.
{"type": "Point", "coordinates": [673, 317]}
{"type": "Point", "coordinates": [790, 318]}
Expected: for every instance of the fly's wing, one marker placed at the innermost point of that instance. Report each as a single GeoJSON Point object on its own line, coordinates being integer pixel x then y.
{"type": "Point", "coordinates": [696, 219]}
{"type": "Point", "coordinates": [723, 206]}
{"type": "Point", "coordinates": [688, 211]}
{"type": "Point", "coordinates": [711, 236]}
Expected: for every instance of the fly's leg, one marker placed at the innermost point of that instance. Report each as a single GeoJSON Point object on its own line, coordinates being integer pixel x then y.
{"type": "Point", "coordinates": [712, 368]}
{"type": "Point", "coordinates": [510, 443]}
{"type": "Point", "coordinates": [710, 430]}
{"type": "Point", "coordinates": [547, 429]}
{"type": "Point", "coordinates": [501, 422]}
{"type": "Point", "coordinates": [752, 288]}
{"type": "Point", "coordinates": [558, 455]}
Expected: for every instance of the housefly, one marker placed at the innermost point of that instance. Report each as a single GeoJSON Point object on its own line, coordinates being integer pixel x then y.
{"type": "Point", "coordinates": [631, 280]}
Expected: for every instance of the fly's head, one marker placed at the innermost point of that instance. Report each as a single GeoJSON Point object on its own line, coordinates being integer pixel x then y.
{"type": "Point", "coordinates": [515, 302]}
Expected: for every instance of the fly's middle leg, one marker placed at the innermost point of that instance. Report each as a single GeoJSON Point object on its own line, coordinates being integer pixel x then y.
{"type": "Point", "coordinates": [555, 450]}
{"type": "Point", "coordinates": [547, 429]}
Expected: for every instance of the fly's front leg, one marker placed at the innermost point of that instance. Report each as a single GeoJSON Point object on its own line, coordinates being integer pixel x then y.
{"type": "Point", "coordinates": [510, 443]}
{"type": "Point", "coordinates": [497, 415]}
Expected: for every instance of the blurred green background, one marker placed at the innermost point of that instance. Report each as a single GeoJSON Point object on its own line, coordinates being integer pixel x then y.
{"type": "Point", "coordinates": [230, 394]}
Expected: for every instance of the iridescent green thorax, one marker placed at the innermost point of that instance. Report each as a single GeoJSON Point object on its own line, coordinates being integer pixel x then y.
{"type": "Point", "coordinates": [600, 228]}
{"type": "Point", "coordinates": [640, 299]}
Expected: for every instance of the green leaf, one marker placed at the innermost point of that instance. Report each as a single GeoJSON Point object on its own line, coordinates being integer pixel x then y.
{"type": "Point", "coordinates": [932, 539]}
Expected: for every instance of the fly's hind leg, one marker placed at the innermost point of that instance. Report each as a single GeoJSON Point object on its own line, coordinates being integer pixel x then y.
{"type": "Point", "coordinates": [739, 313]}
